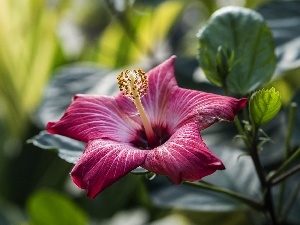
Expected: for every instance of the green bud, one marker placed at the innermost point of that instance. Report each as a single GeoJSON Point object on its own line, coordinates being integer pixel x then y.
{"type": "Point", "coordinates": [225, 58]}
{"type": "Point", "coordinates": [264, 106]}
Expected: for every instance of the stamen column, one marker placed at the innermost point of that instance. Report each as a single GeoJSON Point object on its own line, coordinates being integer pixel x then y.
{"type": "Point", "coordinates": [134, 85]}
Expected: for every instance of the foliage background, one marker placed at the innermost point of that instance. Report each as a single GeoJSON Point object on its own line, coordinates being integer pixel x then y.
{"type": "Point", "coordinates": [52, 49]}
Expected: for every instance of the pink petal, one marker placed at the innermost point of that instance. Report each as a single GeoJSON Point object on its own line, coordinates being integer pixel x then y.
{"type": "Point", "coordinates": [161, 82]}
{"type": "Point", "coordinates": [93, 117]}
{"type": "Point", "coordinates": [184, 157]}
{"type": "Point", "coordinates": [103, 163]}
{"type": "Point", "coordinates": [206, 108]}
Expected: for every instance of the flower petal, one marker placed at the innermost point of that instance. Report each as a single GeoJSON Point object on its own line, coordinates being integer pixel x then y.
{"type": "Point", "coordinates": [206, 108]}
{"type": "Point", "coordinates": [92, 117]}
{"type": "Point", "coordinates": [161, 82]}
{"type": "Point", "coordinates": [103, 163]}
{"type": "Point", "coordinates": [184, 157]}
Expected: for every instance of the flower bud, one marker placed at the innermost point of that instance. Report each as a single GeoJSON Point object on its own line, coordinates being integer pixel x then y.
{"type": "Point", "coordinates": [225, 58]}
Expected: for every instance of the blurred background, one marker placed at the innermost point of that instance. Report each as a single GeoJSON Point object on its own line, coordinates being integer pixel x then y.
{"type": "Point", "coordinates": [52, 49]}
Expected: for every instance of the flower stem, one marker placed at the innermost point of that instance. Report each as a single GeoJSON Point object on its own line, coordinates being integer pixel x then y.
{"type": "Point", "coordinates": [250, 140]}
{"type": "Point", "coordinates": [204, 185]}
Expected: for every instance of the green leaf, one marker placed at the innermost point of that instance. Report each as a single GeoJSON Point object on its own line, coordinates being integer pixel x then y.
{"type": "Point", "coordinates": [48, 207]}
{"type": "Point", "coordinates": [264, 106]}
{"type": "Point", "coordinates": [244, 33]}
{"type": "Point", "coordinates": [67, 148]}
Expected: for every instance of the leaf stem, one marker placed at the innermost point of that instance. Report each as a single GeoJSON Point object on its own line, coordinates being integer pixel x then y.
{"type": "Point", "coordinates": [284, 165]}
{"type": "Point", "coordinates": [286, 174]}
{"type": "Point", "coordinates": [207, 186]}
{"type": "Point", "coordinates": [291, 120]}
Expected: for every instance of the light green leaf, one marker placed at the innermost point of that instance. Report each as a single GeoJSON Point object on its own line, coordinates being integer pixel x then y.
{"type": "Point", "coordinates": [243, 32]}
{"type": "Point", "coordinates": [264, 106]}
{"type": "Point", "coordinates": [27, 53]}
{"type": "Point", "coordinates": [48, 207]}
{"type": "Point", "coordinates": [137, 34]}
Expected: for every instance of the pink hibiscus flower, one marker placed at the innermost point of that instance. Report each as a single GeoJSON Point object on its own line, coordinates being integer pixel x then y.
{"type": "Point", "coordinates": [157, 127]}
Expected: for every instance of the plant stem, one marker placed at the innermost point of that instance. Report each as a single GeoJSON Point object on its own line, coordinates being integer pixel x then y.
{"type": "Point", "coordinates": [204, 185]}
{"type": "Point", "coordinates": [266, 187]}
{"type": "Point", "coordinates": [250, 140]}
{"type": "Point", "coordinates": [241, 131]}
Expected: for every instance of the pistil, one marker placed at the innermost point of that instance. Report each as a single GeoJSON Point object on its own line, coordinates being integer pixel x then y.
{"type": "Point", "coordinates": [134, 85]}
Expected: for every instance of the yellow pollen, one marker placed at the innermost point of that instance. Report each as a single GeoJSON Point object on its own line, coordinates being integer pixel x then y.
{"type": "Point", "coordinates": [134, 84]}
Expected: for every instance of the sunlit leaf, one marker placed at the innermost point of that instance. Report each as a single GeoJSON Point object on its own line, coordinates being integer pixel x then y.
{"type": "Point", "coordinates": [138, 33]}
{"type": "Point", "coordinates": [244, 33]}
{"type": "Point", "coordinates": [27, 53]}
{"type": "Point", "coordinates": [264, 106]}
{"type": "Point", "coordinates": [49, 207]}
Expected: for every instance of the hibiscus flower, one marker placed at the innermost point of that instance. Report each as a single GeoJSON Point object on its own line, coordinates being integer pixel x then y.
{"type": "Point", "coordinates": [153, 123]}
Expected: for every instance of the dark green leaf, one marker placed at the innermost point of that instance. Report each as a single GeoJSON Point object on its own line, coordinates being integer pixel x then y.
{"type": "Point", "coordinates": [70, 80]}
{"type": "Point", "coordinates": [264, 105]}
{"type": "Point", "coordinates": [67, 148]}
{"type": "Point", "coordinates": [49, 207]}
{"type": "Point", "coordinates": [292, 194]}
{"type": "Point", "coordinates": [283, 18]}
{"type": "Point", "coordinates": [296, 130]}
{"type": "Point", "coordinates": [239, 176]}
{"type": "Point", "coordinates": [244, 33]}
{"type": "Point", "coordinates": [10, 214]}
